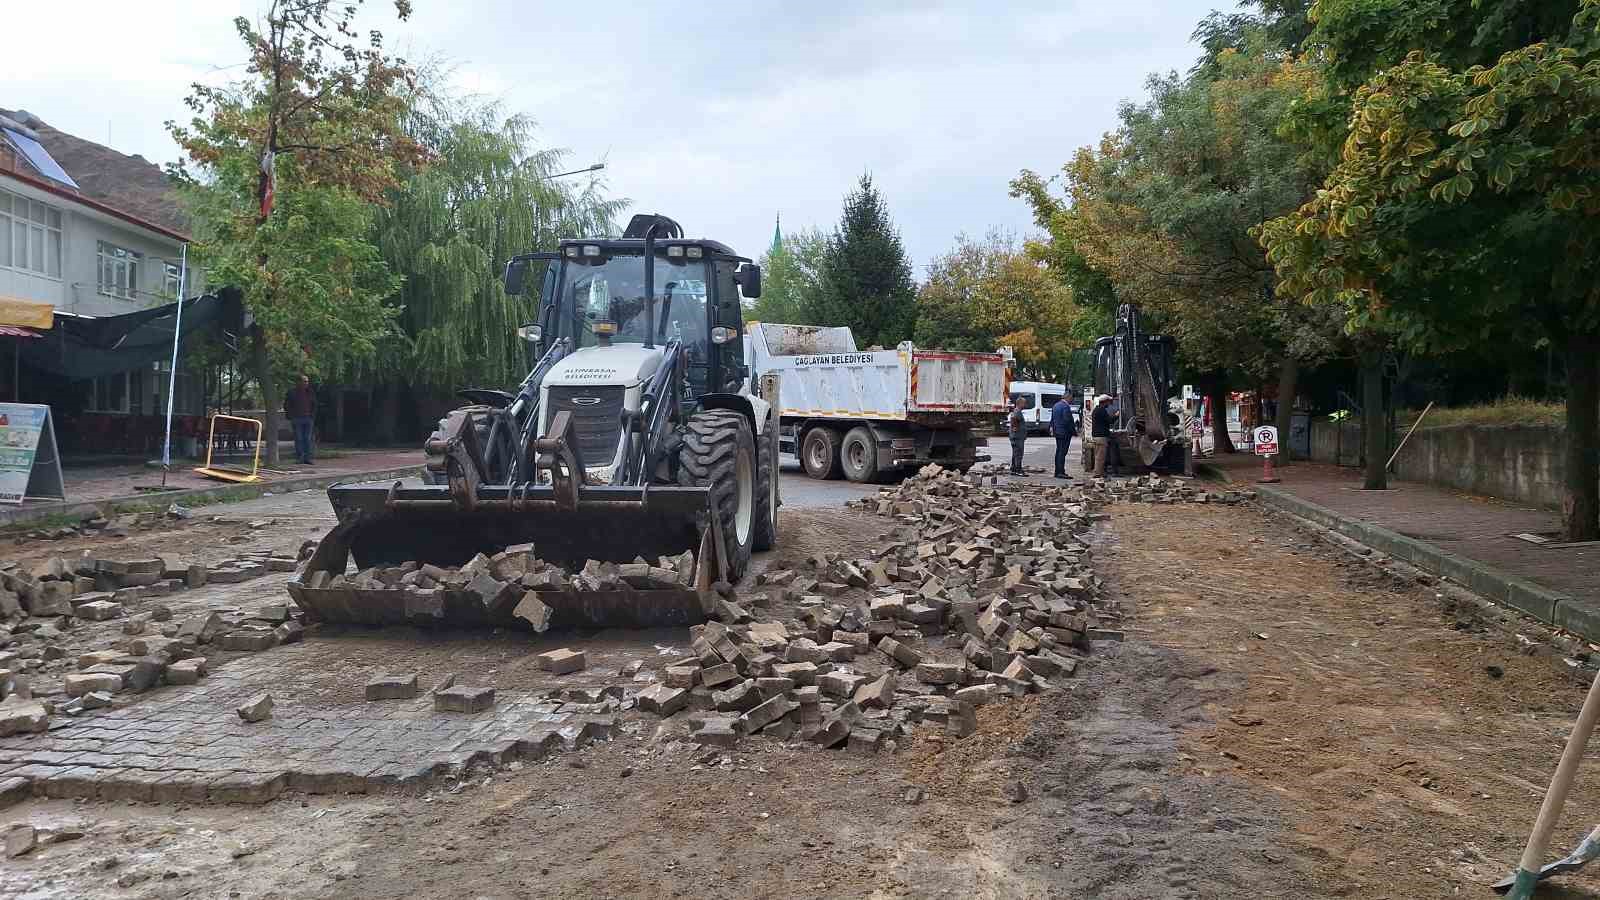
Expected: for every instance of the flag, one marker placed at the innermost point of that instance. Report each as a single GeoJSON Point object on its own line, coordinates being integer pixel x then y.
{"type": "Point", "coordinates": [268, 178]}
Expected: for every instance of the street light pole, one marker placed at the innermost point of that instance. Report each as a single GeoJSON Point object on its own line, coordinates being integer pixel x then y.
{"type": "Point", "coordinates": [594, 168]}
{"type": "Point", "coordinates": [172, 374]}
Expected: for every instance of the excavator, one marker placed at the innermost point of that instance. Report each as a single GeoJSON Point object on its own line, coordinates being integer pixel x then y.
{"type": "Point", "coordinates": [1137, 369]}
{"type": "Point", "coordinates": [638, 434]}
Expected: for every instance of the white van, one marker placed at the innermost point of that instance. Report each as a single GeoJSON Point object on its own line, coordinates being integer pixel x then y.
{"type": "Point", "coordinates": [1041, 397]}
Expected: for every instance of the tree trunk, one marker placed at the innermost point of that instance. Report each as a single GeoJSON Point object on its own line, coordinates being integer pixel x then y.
{"type": "Point", "coordinates": [1374, 425]}
{"type": "Point", "coordinates": [1221, 442]}
{"type": "Point", "coordinates": [1288, 383]}
{"type": "Point", "coordinates": [1581, 506]}
{"type": "Point", "coordinates": [261, 368]}
{"type": "Point", "coordinates": [338, 413]}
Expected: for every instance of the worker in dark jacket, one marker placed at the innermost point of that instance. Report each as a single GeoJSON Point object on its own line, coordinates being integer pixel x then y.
{"type": "Point", "coordinates": [1063, 425]}
{"type": "Point", "coordinates": [1018, 428]}
{"type": "Point", "coordinates": [1101, 438]}
{"type": "Point", "coordinates": [301, 405]}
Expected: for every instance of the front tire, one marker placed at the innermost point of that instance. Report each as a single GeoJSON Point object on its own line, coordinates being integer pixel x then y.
{"type": "Point", "coordinates": [767, 500]}
{"type": "Point", "coordinates": [719, 452]}
{"type": "Point", "coordinates": [819, 453]}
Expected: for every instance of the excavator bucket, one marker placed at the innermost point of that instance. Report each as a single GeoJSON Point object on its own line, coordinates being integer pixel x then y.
{"type": "Point", "coordinates": [407, 521]}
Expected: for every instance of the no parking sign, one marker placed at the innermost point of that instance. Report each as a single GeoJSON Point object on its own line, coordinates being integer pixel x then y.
{"type": "Point", "coordinates": [1266, 440]}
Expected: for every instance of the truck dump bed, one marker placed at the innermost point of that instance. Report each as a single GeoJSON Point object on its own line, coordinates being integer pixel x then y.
{"type": "Point", "coordinates": [823, 375]}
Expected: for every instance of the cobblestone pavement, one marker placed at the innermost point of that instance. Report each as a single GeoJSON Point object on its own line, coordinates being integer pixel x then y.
{"type": "Point", "coordinates": [188, 744]}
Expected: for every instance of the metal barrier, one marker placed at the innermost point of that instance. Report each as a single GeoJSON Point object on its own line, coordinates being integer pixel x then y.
{"type": "Point", "coordinates": [226, 473]}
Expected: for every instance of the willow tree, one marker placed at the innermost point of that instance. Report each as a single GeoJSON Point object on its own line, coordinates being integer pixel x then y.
{"type": "Point", "coordinates": [449, 229]}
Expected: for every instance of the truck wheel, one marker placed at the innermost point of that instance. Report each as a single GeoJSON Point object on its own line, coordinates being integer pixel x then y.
{"type": "Point", "coordinates": [767, 499]}
{"type": "Point", "coordinates": [859, 455]}
{"type": "Point", "coordinates": [719, 452]}
{"type": "Point", "coordinates": [819, 453]}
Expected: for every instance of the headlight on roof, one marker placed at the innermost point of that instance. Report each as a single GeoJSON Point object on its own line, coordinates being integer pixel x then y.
{"type": "Point", "coordinates": [695, 252]}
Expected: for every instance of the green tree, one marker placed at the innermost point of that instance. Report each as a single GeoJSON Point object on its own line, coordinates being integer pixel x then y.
{"type": "Point", "coordinates": [791, 275]}
{"type": "Point", "coordinates": [991, 293]}
{"type": "Point", "coordinates": [449, 229]}
{"type": "Point", "coordinates": [1160, 213]}
{"type": "Point", "coordinates": [865, 278]}
{"type": "Point", "coordinates": [1466, 200]}
{"type": "Point", "coordinates": [287, 163]}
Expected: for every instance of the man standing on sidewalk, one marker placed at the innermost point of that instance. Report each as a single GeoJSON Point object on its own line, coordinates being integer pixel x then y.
{"type": "Point", "coordinates": [1063, 426]}
{"type": "Point", "coordinates": [301, 405]}
{"type": "Point", "coordinates": [1018, 427]}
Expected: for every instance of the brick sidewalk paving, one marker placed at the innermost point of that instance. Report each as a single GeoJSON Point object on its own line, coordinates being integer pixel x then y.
{"type": "Point", "coordinates": [1478, 528]}
{"type": "Point", "coordinates": [90, 483]}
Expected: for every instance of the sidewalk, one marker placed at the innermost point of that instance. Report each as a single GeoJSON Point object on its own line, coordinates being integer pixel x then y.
{"type": "Point", "coordinates": [115, 488]}
{"type": "Point", "coordinates": [1465, 537]}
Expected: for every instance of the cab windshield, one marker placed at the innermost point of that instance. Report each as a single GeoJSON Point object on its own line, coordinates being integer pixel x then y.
{"type": "Point", "coordinates": [596, 290]}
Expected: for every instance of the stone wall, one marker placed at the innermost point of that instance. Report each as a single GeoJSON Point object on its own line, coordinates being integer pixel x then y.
{"type": "Point", "coordinates": [1523, 464]}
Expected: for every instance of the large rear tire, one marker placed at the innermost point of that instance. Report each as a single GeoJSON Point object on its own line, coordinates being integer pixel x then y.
{"type": "Point", "coordinates": [859, 455]}
{"type": "Point", "coordinates": [767, 499]}
{"type": "Point", "coordinates": [819, 453]}
{"type": "Point", "coordinates": [719, 452]}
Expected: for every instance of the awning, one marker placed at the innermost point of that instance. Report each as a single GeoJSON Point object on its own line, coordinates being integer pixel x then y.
{"type": "Point", "coordinates": [14, 331]}
{"type": "Point", "coordinates": [87, 348]}
{"type": "Point", "coordinates": [27, 313]}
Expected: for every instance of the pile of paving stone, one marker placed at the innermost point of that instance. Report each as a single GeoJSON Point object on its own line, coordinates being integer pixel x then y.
{"type": "Point", "coordinates": [1157, 489]}
{"type": "Point", "coordinates": [43, 605]}
{"type": "Point", "coordinates": [508, 581]}
{"type": "Point", "coordinates": [978, 594]}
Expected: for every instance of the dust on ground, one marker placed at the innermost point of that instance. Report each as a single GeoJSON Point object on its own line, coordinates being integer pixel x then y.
{"type": "Point", "coordinates": [1282, 721]}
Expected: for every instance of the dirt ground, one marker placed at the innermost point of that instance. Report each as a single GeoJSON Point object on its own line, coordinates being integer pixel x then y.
{"type": "Point", "coordinates": [1283, 720]}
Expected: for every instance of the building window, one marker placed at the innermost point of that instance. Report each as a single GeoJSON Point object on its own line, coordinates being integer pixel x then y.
{"type": "Point", "coordinates": [170, 280]}
{"type": "Point", "coordinates": [119, 271]}
{"type": "Point", "coordinates": [108, 393]}
{"type": "Point", "coordinates": [30, 235]}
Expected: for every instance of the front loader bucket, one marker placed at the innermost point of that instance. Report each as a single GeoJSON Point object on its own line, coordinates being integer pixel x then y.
{"type": "Point", "coordinates": [391, 523]}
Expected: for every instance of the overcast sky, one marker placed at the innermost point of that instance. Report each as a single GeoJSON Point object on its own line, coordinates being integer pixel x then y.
{"type": "Point", "coordinates": [721, 115]}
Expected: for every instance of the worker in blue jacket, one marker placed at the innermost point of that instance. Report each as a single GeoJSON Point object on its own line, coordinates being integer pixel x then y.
{"type": "Point", "coordinates": [1063, 425]}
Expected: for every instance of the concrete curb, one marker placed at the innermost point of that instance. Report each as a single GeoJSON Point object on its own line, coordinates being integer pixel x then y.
{"type": "Point", "coordinates": [1582, 617]}
{"type": "Point", "coordinates": [70, 511]}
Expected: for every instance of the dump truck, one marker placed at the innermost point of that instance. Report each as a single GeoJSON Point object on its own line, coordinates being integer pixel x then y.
{"type": "Point", "coordinates": [639, 433]}
{"type": "Point", "coordinates": [1137, 369]}
{"type": "Point", "coordinates": [864, 414]}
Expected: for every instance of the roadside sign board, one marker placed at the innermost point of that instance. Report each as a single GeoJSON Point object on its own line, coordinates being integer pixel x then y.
{"type": "Point", "coordinates": [30, 465]}
{"type": "Point", "coordinates": [1266, 440]}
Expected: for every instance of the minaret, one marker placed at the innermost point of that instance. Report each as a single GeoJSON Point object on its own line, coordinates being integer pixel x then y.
{"type": "Point", "coordinates": [777, 233]}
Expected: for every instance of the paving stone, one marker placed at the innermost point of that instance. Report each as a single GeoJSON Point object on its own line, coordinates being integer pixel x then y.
{"type": "Point", "coordinates": [186, 671]}
{"type": "Point", "coordinates": [82, 683]}
{"type": "Point", "coordinates": [802, 673]}
{"type": "Point", "coordinates": [463, 699]}
{"type": "Point", "coordinates": [14, 791]}
{"type": "Point", "coordinates": [534, 611]}
{"type": "Point", "coordinates": [289, 632]}
{"type": "Point", "coordinates": [662, 700]}
{"type": "Point", "coordinates": [196, 576]}
{"type": "Point", "coordinates": [717, 732]}
{"type": "Point", "coordinates": [899, 652]}
{"type": "Point", "coordinates": [256, 709]}
{"type": "Point", "coordinates": [962, 718]}
{"type": "Point", "coordinates": [840, 684]}
{"type": "Point", "coordinates": [941, 673]}
{"type": "Point", "coordinates": [740, 698]}
{"type": "Point", "coordinates": [865, 740]}
{"type": "Point", "coordinates": [98, 657]}
{"type": "Point", "coordinates": [681, 677]}
{"type": "Point", "coordinates": [563, 661]}
{"type": "Point", "coordinates": [246, 787]}
{"type": "Point", "coordinates": [392, 687]}
{"type": "Point", "coordinates": [247, 639]}
{"type": "Point", "coordinates": [18, 716]}
{"type": "Point", "coordinates": [20, 840]}
{"type": "Point", "coordinates": [765, 714]}
{"type": "Point", "coordinates": [978, 694]}
{"type": "Point", "coordinates": [717, 676]}
{"type": "Point", "coordinates": [878, 694]}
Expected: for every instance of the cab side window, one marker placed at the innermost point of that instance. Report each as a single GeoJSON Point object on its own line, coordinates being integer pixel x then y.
{"type": "Point", "coordinates": [730, 313]}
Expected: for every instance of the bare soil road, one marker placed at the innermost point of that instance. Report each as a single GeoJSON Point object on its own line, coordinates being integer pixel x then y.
{"type": "Point", "coordinates": [1283, 720]}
